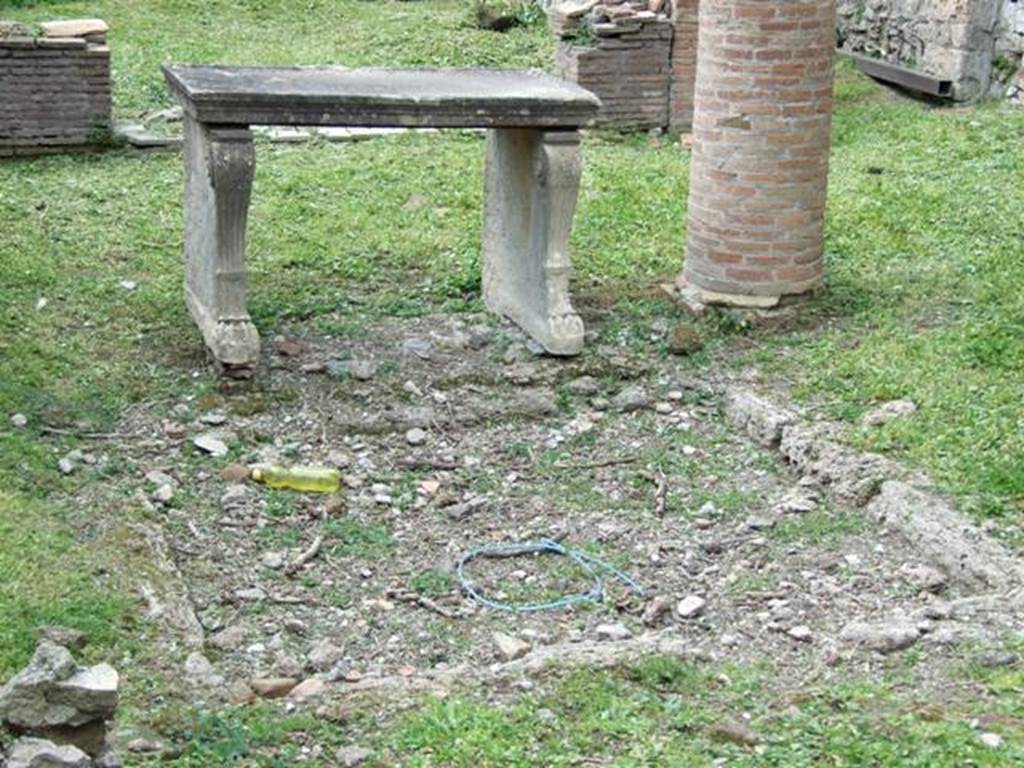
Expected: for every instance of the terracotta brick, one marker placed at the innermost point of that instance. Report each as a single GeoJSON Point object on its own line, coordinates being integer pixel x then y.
{"type": "Point", "coordinates": [763, 99]}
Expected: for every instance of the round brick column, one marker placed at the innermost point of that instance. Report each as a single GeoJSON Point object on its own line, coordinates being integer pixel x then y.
{"type": "Point", "coordinates": [760, 150]}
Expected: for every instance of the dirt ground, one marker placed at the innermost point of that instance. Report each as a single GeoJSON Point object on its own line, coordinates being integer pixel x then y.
{"type": "Point", "coordinates": [623, 452]}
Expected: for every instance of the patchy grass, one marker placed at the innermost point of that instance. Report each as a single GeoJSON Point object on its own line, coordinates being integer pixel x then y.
{"type": "Point", "coordinates": [923, 253]}
{"type": "Point", "coordinates": [47, 578]}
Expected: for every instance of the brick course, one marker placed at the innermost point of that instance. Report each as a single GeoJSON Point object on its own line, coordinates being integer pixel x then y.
{"type": "Point", "coordinates": [54, 91]}
{"type": "Point", "coordinates": [759, 173]}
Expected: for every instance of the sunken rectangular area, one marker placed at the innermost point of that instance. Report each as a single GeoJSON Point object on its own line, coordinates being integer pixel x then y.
{"type": "Point", "coordinates": [379, 97]}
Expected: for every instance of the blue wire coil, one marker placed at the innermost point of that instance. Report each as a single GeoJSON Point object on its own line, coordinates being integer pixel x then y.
{"type": "Point", "coordinates": [594, 566]}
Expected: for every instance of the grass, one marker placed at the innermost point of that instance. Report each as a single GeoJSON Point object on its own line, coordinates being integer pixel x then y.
{"type": "Point", "coordinates": [923, 256]}
{"type": "Point", "coordinates": [47, 578]}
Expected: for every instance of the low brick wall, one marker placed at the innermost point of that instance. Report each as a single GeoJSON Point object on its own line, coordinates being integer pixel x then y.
{"type": "Point", "coordinates": [54, 88]}
{"type": "Point", "coordinates": [628, 68]}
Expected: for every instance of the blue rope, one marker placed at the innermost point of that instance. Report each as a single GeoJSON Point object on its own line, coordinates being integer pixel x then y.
{"type": "Point", "coordinates": [590, 563]}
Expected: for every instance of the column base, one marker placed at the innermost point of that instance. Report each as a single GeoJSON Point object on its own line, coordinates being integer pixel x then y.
{"type": "Point", "coordinates": [696, 300]}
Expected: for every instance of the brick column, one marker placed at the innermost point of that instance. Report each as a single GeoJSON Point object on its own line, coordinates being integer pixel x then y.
{"type": "Point", "coordinates": [760, 154]}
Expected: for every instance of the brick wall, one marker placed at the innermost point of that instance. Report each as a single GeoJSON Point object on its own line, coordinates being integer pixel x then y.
{"type": "Point", "coordinates": [54, 88]}
{"type": "Point", "coordinates": [684, 64]}
{"type": "Point", "coordinates": [628, 68]}
{"type": "Point", "coordinates": [760, 151]}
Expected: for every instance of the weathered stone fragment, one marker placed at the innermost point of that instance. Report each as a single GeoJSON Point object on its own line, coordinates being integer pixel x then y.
{"type": "Point", "coordinates": [881, 636]}
{"type": "Point", "coordinates": [40, 753]}
{"type": "Point", "coordinates": [760, 418]}
{"type": "Point", "coordinates": [958, 547]}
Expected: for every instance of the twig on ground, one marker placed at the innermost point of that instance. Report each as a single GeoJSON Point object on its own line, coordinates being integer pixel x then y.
{"type": "Point", "coordinates": [84, 435]}
{"type": "Point", "coordinates": [307, 555]}
{"type": "Point", "coordinates": [609, 462]}
{"type": "Point", "coordinates": [408, 596]}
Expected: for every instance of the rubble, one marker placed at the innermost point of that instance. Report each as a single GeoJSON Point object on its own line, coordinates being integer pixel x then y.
{"type": "Point", "coordinates": [58, 700]}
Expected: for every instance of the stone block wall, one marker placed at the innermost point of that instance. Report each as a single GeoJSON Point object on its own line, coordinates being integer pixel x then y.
{"type": "Point", "coordinates": [950, 39]}
{"type": "Point", "coordinates": [54, 87]}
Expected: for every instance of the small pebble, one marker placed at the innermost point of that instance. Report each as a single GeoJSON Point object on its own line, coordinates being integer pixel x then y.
{"type": "Point", "coordinates": [19, 420]}
{"type": "Point", "coordinates": [416, 436]}
{"type": "Point", "coordinates": [690, 606]}
{"type": "Point", "coordinates": [801, 633]}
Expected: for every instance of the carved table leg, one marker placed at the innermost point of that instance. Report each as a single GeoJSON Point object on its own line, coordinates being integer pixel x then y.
{"type": "Point", "coordinates": [532, 180]}
{"type": "Point", "coordinates": [219, 163]}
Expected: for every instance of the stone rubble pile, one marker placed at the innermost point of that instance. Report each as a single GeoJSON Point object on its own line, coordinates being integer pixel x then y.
{"type": "Point", "coordinates": [605, 17]}
{"type": "Point", "coordinates": [621, 51]}
{"type": "Point", "coordinates": [60, 711]}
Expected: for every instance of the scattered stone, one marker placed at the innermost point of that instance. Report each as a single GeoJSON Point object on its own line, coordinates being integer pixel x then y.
{"type": "Point", "coordinates": [992, 740]}
{"type": "Point", "coordinates": [234, 473]}
{"type": "Point", "coordinates": [797, 502]}
{"type": "Point", "coordinates": [53, 691]}
{"type": "Point", "coordinates": [40, 753]}
{"type": "Point", "coordinates": [251, 595]}
{"type": "Point", "coordinates": [416, 436]}
{"type": "Point", "coordinates": [169, 115]}
{"type": "Point", "coordinates": [144, 746]}
{"type": "Point", "coordinates": [55, 698]}
{"type": "Point", "coordinates": [881, 636]}
{"type": "Point", "coordinates": [234, 496]}
{"type": "Point", "coordinates": [510, 648]}
{"type": "Point", "coordinates": [612, 632]}
{"type": "Point", "coordinates": [428, 487]}
{"type": "Point", "coordinates": [199, 669]}
{"type": "Point", "coordinates": [213, 419]}
{"type": "Point", "coordinates": [324, 655]}
{"type": "Point", "coordinates": [19, 421]}
{"type": "Point", "coordinates": [287, 666]}
{"type": "Point", "coordinates": [630, 399]}
{"type": "Point", "coordinates": [690, 606]}
{"type": "Point", "coordinates": [351, 756]}
{"type": "Point", "coordinates": [272, 560]}
{"type": "Point", "coordinates": [925, 577]}
{"type": "Point", "coordinates": [362, 370]}
{"type": "Point", "coordinates": [273, 687]}
{"type": "Point", "coordinates": [584, 386]}
{"type": "Point", "coordinates": [211, 444]}
{"type": "Point", "coordinates": [890, 411]}
{"type": "Point", "coordinates": [663, 408]}
{"type": "Point", "coordinates": [733, 732]}
{"type": "Point", "coordinates": [164, 494]}
{"type": "Point", "coordinates": [308, 689]}
{"type": "Point", "coordinates": [335, 505]}
{"type": "Point", "coordinates": [421, 348]}
{"type": "Point", "coordinates": [801, 633]}
{"type": "Point", "coordinates": [761, 419]}
{"type": "Point", "coordinates": [656, 608]}
{"type": "Point", "coordinates": [228, 639]}
{"type": "Point", "coordinates": [995, 659]}
{"type": "Point", "coordinates": [239, 692]}
{"type": "Point", "coordinates": [684, 340]}
{"type": "Point", "coordinates": [291, 347]}
{"type": "Point", "coordinates": [66, 465]}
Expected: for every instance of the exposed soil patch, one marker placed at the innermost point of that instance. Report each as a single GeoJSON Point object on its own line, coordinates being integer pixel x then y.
{"type": "Point", "coordinates": [452, 434]}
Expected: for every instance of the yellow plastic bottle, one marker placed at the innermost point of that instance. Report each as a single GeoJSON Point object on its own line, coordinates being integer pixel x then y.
{"type": "Point", "coordinates": [314, 479]}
